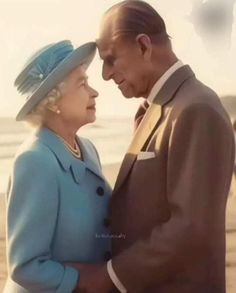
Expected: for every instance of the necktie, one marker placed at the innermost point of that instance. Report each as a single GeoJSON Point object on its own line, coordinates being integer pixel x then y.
{"type": "Point", "coordinates": [140, 114]}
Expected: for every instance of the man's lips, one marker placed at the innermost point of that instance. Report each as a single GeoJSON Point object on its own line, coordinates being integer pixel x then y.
{"type": "Point", "coordinates": [92, 107]}
{"type": "Point", "coordinates": [120, 83]}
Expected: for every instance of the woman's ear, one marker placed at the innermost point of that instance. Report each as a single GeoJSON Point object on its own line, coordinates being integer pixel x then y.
{"type": "Point", "coordinates": [53, 108]}
{"type": "Point", "coordinates": [145, 45]}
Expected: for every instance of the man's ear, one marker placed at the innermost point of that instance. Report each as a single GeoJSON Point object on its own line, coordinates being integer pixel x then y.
{"type": "Point", "coordinates": [145, 45]}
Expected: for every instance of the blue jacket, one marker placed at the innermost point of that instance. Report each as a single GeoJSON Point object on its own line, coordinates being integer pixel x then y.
{"type": "Point", "coordinates": [56, 213]}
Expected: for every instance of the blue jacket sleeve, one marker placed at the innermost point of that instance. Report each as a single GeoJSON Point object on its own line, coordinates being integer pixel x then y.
{"type": "Point", "coordinates": [31, 219]}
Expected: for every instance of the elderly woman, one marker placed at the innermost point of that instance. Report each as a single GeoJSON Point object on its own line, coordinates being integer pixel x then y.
{"type": "Point", "coordinates": [58, 198]}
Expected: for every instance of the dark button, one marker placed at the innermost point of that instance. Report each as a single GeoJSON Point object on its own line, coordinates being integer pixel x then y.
{"type": "Point", "coordinates": [106, 222]}
{"type": "Point", "coordinates": [107, 256]}
{"type": "Point", "coordinates": [100, 191]}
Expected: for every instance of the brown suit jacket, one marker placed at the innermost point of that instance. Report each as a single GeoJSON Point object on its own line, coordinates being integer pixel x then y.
{"type": "Point", "coordinates": [168, 212]}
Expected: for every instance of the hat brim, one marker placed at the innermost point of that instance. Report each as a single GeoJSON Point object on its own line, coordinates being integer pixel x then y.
{"type": "Point", "coordinates": [82, 55]}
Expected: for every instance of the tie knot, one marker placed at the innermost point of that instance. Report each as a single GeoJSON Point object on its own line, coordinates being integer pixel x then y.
{"type": "Point", "coordinates": [140, 113]}
{"type": "Point", "coordinates": [145, 105]}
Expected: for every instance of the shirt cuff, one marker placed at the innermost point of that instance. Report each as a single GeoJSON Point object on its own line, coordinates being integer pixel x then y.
{"type": "Point", "coordinates": [114, 278]}
{"type": "Point", "coordinates": [69, 282]}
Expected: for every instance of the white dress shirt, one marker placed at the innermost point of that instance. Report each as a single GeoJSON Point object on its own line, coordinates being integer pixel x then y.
{"type": "Point", "coordinates": [162, 80]}
{"type": "Point", "coordinates": [154, 91]}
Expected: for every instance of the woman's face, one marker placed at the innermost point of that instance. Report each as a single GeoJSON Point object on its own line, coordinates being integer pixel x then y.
{"type": "Point", "coordinates": [77, 104]}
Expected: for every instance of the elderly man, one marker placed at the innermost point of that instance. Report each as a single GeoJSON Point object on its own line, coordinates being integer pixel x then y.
{"type": "Point", "coordinates": [170, 196]}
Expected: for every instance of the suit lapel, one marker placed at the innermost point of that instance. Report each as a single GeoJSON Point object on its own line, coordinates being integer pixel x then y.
{"type": "Point", "coordinates": [151, 119]}
{"type": "Point", "coordinates": [141, 135]}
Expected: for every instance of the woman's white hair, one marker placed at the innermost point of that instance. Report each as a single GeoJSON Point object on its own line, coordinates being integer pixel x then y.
{"type": "Point", "coordinates": [37, 116]}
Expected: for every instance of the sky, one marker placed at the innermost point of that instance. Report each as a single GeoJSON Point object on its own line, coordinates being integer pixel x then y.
{"type": "Point", "coordinates": [27, 25]}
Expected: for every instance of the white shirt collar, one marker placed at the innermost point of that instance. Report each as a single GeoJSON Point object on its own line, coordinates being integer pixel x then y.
{"type": "Point", "coordinates": [162, 80]}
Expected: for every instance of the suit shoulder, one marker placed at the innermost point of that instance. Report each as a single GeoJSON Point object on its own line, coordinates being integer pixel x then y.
{"type": "Point", "coordinates": [194, 90]}
{"type": "Point", "coordinates": [195, 94]}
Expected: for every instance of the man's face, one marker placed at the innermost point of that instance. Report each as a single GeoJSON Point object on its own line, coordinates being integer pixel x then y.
{"type": "Point", "coordinates": [124, 63]}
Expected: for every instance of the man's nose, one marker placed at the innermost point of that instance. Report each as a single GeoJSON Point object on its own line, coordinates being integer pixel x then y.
{"type": "Point", "coordinates": [107, 72]}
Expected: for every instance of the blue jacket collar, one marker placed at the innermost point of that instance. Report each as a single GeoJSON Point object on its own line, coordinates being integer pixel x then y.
{"type": "Point", "coordinates": [90, 156]}
{"type": "Point", "coordinates": [66, 159]}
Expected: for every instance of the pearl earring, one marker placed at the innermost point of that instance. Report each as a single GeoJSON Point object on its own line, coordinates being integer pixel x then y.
{"type": "Point", "coordinates": [58, 111]}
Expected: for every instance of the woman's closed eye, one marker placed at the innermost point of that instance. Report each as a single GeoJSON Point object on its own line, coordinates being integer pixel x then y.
{"type": "Point", "coordinates": [83, 83]}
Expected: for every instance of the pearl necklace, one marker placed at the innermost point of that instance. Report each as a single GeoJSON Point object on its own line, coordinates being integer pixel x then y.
{"type": "Point", "coordinates": [74, 151]}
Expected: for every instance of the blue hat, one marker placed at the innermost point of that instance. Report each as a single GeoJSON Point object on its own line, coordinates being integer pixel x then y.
{"type": "Point", "coordinates": [48, 67]}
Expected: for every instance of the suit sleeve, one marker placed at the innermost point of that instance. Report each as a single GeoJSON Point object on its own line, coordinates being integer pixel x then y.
{"type": "Point", "coordinates": [199, 169]}
{"type": "Point", "coordinates": [32, 208]}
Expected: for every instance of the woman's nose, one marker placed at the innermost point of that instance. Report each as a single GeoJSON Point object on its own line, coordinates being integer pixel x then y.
{"type": "Point", "coordinates": [94, 93]}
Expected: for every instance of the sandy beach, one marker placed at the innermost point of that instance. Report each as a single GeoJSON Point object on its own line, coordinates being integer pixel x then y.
{"type": "Point", "coordinates": [110, 172]}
